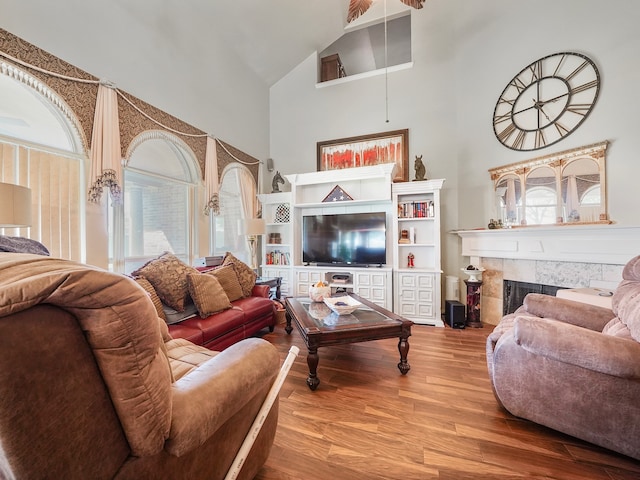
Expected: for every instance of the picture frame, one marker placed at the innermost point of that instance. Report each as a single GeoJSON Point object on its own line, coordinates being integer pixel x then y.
{"type": "Point", "coordinates": [366, 150]}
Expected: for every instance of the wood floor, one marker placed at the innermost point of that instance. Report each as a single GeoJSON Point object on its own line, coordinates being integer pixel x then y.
{"type": "Point", "coordinates": [440, 421]}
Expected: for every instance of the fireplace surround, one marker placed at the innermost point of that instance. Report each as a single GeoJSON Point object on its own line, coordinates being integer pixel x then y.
{"type": "Point", "coordinates": [567, 256]}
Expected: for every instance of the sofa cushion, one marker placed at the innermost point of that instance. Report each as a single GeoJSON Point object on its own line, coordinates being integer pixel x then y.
{"type": "Point", "coordinates": [255, 307]}
{"type": "Point", "coordinates": [188, 332]}
{"type": "Point", "coordinates": [246, 275]}
{"type": "Point", "coordinates": [153, 295]}
{"type": "Point", "coordinates": [184, 356]}
{"type": "Point", "coordinates": [616, 328]}
{"type": "Point", "coordinates": [228, 278]}
{"type": "Point", "coordinates": [168, 275]}
{"type": "Point", "coordinates": [208, 295]}
{"type": "Point", "coordinates": [217, 325]}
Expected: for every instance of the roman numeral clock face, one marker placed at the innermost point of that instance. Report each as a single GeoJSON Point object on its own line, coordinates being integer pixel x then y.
{"type": "Point", "coordinates": [546, 101]}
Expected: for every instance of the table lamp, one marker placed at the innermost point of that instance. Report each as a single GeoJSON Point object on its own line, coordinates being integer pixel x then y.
{"type": "Point", "coordinates": [252, 227]}
{"type": "Point", "coordinates": [15, 206]}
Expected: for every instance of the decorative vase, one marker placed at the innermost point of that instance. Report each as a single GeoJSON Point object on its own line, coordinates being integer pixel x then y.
{"type": "Point", "coordinates": [475, 274]}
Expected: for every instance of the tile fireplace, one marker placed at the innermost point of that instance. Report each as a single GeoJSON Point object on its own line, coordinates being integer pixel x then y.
{"type": "Point", "coordinates": [558, 256]}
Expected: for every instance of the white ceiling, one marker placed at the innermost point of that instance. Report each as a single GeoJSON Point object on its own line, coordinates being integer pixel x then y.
{"type": "Point", "coordinates": [270, 36]}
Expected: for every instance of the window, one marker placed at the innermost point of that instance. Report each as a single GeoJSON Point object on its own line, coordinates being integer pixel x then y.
{"type": "Point", "coordinates": [236, 190]}
{"type": "Point", "coordinates": [40, 148]}
{"type": "Point", "coordinates": [159, 188]}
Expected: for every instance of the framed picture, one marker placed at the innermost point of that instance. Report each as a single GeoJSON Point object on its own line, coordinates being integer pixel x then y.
{"type": "Point", "coordinates": [365, 150]}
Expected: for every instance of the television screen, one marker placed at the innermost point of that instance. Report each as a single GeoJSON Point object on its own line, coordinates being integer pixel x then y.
{"type": "Point", "coordinates": [350, 239]}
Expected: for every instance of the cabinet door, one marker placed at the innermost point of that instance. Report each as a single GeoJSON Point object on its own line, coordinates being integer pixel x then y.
{"type": "Point", "coordinates": [372, 286]}
{"type": "Point", "coordinates": [416, 295]}
{"type": "Point", "coordinates": [306, 278]}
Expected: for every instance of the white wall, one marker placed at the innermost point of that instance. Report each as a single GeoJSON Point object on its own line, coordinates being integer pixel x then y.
{"type": "Point", "coordinates": [465, 52]}
{"type": "Point", "coordinates": [145, 52]}
{"type": "Point", "coordinates": [141, 51]}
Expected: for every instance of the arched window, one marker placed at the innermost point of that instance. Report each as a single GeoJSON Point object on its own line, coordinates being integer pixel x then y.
{"type": "Point", "coordinates": [160, 179]}
{"type": "Point", "coordinates": [238, 201]}
{"type": "Point", "coordinates": [41, 148]}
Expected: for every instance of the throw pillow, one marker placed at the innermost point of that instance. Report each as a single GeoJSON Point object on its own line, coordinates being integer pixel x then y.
{"type": "Point", "coordinates": [246, 275]}
{"type": "Point", "coordinates": [228, 278]}
{"type": "Point", "coordinates": [144, 283]}
{"type": "Point", "coordinates": [207, 294]}
{"type": "Point", "coordinates": [168, 275]}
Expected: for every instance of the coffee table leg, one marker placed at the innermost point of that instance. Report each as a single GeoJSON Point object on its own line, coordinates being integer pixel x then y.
{"type": "Point", "coordinates": [288, 328]}
{"type": "Point", "coordinates": [312, 360]}
{"type": "Point", "coordinates": [403, 348]}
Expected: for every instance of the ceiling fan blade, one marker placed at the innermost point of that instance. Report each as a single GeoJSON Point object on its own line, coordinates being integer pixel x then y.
{"type": "Point", "coordinates": [357, 8]}
{"type": "Point", "coordinates": [414, 3]}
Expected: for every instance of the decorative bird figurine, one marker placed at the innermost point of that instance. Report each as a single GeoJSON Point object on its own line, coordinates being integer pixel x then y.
{"type": "Point", "coordinates": [358, 7]}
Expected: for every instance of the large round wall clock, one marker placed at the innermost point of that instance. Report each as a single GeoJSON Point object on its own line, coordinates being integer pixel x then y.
{"type": "Point", "coordinates": [546, 101]}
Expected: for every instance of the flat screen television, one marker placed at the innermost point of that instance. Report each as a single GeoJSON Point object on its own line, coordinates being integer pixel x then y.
{"type": "Point", "coordinates": [357, 239]}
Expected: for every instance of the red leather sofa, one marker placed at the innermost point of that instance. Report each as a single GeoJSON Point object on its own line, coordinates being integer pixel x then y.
{"type": "Point", "coordinates": [218, 331]}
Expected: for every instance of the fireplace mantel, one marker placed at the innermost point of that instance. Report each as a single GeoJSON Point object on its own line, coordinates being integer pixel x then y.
{"type": "Point", "coordinates": [605, 244]}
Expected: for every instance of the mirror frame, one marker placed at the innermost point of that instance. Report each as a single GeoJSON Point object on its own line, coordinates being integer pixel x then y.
{"type": "Point", "coordinates": [558, 162]}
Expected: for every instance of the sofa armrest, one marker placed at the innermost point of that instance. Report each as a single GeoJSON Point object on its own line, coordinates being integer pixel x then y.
{"type": "Point", "coordinates": [584, 348]}
{"type": "Point", "coordinates": [205, 398]}
{"type": "Point", "coordinates": [568, 311]}
{"type": "Point", "coordinates": [261, 291]}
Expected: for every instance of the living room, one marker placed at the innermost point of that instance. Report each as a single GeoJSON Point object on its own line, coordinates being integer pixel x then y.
{"type": "Point", "coordinates": [463, 55]}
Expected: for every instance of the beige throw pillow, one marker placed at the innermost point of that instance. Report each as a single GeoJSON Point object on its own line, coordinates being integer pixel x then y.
{"type": "Point", "coordinates": [228, 278]}
{"type": "Point", "coordinates": [144, 283]}
{"type": "Point", "coordinates": [207, 294]}
{"type": "Point", "coordinates": [168, 275]}
{"type": "Point", "coordinates": [246, 275]}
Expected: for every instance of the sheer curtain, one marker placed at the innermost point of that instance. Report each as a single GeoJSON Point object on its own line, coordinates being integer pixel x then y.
{"type": "Point", "coordinates": [237, 201]}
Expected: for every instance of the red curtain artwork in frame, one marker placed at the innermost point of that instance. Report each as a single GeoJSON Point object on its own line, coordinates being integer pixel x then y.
{"type": "Point", "coordinates": [366, 150]}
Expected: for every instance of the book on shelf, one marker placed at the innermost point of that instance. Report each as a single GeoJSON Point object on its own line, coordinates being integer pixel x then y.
{"type": "Point", "coordinates": [277, 258]}
{"type": "Point", "coordinates": [421, 209]}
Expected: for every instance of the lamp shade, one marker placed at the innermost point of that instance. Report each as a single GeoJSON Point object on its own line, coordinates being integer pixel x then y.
{"type": "Point", "coordinates": [252, 226]}
{"type": "Point", "coordinates": [15, 205]}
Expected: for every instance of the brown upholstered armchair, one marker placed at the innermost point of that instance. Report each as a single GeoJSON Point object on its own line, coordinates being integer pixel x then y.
{"type": "Point", "coordinates": [574, 367]}
{"type": "Point", "coordinates": [93, 386]}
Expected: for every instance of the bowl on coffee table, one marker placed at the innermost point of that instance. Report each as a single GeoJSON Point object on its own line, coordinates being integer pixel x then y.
{"type": "Point", "coordinates": [342, 305]}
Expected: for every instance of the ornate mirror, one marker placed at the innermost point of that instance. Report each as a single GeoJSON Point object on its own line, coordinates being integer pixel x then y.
{"type": "Point", "coordinates": [564, 187]}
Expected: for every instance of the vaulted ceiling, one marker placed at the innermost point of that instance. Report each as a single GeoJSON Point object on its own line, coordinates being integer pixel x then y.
{"type": "Point", "coordinates": [273, 36]}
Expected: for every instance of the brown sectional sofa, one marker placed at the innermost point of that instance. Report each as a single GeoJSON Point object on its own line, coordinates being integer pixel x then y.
{"type": "Point", "coordinates": [94, 387]}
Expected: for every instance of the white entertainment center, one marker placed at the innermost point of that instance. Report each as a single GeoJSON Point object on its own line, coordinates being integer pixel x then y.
{"type": "Point", "coordinates": [411, 291]}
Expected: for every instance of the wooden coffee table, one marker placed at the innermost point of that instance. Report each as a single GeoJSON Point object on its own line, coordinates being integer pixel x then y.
{"type": "Point", "coordinates": [321, 327]}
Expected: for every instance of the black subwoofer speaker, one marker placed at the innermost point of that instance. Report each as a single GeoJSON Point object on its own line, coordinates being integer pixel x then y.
{"type": "Point", "coordinates": [454, 313]}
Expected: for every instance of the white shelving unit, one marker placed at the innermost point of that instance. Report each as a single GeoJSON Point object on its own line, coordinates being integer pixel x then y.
{"type": "Point", "coordinates": [277, 243]}
{"type": "Point", "coordinates": [417, 281]}
{"type": "Point", "coordinates": [370, 190]}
